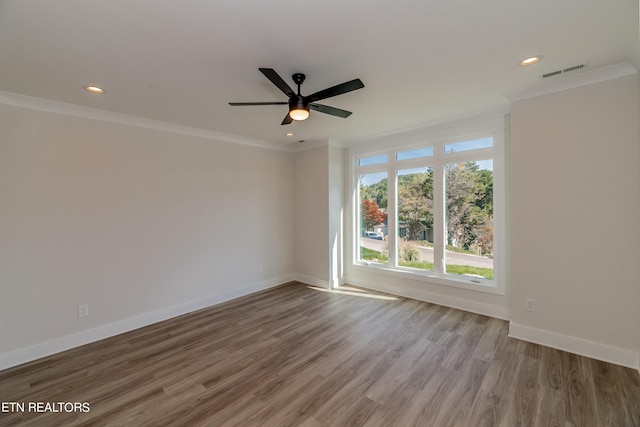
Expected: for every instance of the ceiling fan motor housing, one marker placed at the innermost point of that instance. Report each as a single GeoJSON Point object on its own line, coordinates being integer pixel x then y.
{"type": "Point", "coordinates": [298, 102]}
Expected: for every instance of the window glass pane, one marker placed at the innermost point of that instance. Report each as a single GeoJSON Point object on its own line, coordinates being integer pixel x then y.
{"type": "Point", "coordinates": [372, 242]}
{"type": "Point", "coordinates": [469, 218]}
{"type": "Point", "coordinates": [373, 160]}
{"type": "Point", "coordinates": [415, 218]}
{"type": "Point", "coordinates": [414, 154]}
{"type": "Point", "coordinates": [468, 145]}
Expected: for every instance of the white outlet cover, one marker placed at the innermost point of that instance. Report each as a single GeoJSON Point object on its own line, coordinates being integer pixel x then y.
{"type": "Point", "coordinates": [530, 304]}
{"type": "Point", "coordinates": [83, 310]}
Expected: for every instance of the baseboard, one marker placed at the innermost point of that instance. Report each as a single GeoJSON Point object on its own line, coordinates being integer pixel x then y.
{"type": "Point", "coordinates": [582, 347]}
{"type": "Point", "coordinates": [313, 281]}
{"type": "Point", "coordinates": [607, 353]}
{"type": "Point", "coordinates": [37, 351]}
{"type": "Point", "coordinates": [445, 300]}
{"type": "Point", "coordinates": [336, 283]}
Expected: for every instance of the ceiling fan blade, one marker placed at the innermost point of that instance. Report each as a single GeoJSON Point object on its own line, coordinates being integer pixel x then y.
{"type": "Point", "coordinates": [336, 90]}
{"type": "Point", "coordinates": [330, 110]}
{"type": "Point", "coordinates": [275, 78]}
{"type": "Point", "coordinates": [287, 120]}
{"type": "Point", "coordinates": [257, 103]}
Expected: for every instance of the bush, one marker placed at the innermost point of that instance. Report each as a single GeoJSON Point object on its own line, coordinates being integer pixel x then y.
{"type": "Point", "coordinates": [408, 252]}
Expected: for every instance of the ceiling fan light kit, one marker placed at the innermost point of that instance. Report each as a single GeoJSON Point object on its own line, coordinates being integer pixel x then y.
{"type": "Point", "coordinates": [300, 105]}
{"type": "Point", "coordinates": [299, 114]}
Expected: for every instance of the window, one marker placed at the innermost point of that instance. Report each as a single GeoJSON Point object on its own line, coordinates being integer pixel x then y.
{"type": "Point", "coordinates": [414, 154]}
{"type": "Point", "coordinates": [469, 218]}
{"type": "Point", "coordinates": [372, 245]}
{"type": "Point", "coordinates": [415, 218]}
{"type": "Point", "coordinates": [468, 145]}
{"type": "Point", "coordinates": [430, 210]}
{"type": "Point", "coordinates": [373, 160]}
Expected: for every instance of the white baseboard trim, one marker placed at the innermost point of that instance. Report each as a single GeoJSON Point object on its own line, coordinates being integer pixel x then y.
{"type": "Point", "coordinates": [445, 300]}
{"type": "Point", "coordinates": [313, 281]}
{"type": "Point", "coordinates": [582, 347]}
{"type": "Point", "coordinates": [57, 345]}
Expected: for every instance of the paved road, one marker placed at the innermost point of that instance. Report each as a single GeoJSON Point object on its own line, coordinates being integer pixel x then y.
{"type": "Point", "coordinates": [426, 254]}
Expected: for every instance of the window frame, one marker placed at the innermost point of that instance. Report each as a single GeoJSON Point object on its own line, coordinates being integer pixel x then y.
{"type": "Point", "coordinates": [494, 127]}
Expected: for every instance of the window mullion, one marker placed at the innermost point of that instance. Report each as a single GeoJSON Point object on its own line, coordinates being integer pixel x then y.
{"type": "Point", "coordinates": [392, 213]}
{"type": "Point", "coordinates": [439, 232]}
{"type": "Point", "coordinates": [357, 223]}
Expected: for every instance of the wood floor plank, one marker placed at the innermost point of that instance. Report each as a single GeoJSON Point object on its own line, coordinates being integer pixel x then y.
{"type": "Point", "coordinates": [525, 403]}
{"type": "Point", "coordinates": [302, 356]}
{"type": "Point", "coordinates": [580, 403]}
{"type": "Point", "coordinates": [551, 410]}
{"type": "Point", "coordinates": [461, 396]}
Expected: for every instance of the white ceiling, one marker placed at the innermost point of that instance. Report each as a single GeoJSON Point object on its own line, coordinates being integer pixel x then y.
{"type": "Point", "coordinates": [421, 61]}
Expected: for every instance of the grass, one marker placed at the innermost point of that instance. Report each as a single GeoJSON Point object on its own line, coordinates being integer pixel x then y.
{"type": "Point", "coordinates": [371, 255]}
{"type": "Point", "coordinates": [450, 248]}
{"type": "Point", "coordinates": [487, 273]}
{"type": "Point", "coordinates": [422, 265]}
{"type": "Point", "coordinates": [376, 256]}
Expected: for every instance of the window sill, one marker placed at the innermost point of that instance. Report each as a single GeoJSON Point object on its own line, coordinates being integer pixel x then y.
{"type": "Point", "coordinates": [469, 283]}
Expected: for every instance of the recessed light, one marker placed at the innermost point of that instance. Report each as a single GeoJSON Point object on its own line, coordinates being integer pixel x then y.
{"type": "Point", "coordinates": [94, 89]}
{"type": "Point", "coordinates": [530, 60]}
{"type": "Point", "coordinates": [289, 134]}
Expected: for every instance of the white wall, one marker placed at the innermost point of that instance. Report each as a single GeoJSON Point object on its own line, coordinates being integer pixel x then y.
{"type": "Point", "coordinates": [138, 223]}
{"type": "Point", "coordinates": [319, 181]}
{"type": "Point", "coordinates": [575, 212]}
{"type": "Point", "coordinates": [311, 216]}
{"type": "Point", "coordinates": [336, 213]}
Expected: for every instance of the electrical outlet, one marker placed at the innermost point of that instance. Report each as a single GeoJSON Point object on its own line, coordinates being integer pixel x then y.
{"type": "Point", "coordinates": [530, 304]}
{"type": "Point", "coordinates": [83, 310]}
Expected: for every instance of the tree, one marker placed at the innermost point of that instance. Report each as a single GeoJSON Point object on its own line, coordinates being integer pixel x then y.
{"type": "Point", "coordinates": [415, 201]}
{"type": "Point", "coordinates": [458, 187]}
{"type": "Point", "coordinates": [484, 241]}
{"type": "Point", "coordinates": [469, 197]}
{"type": "Point", "coordinates": [371, 214]}
{"type": "Point", "coordinates": [376, 191]}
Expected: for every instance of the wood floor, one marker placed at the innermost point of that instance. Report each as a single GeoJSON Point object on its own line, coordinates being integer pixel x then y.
{"type": "Point", "coordinates": [297, 355]}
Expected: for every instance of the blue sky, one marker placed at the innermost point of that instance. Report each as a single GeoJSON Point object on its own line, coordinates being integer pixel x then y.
{"type": "Point", "coordinates": [454, 147]}
{"type": "Point", "coordinates": [372, 178]}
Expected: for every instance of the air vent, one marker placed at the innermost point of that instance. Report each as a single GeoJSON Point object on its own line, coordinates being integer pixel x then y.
{"type": "Point", "coordinates": [551, 74]}
{"type": "Point", "coordinates": [574, 68]}
{"type": "Point", "coordinates": [564, 71]}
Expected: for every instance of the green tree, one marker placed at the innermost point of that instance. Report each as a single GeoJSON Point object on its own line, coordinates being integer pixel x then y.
{"type": "Point", "coordinates": [415, 201]}
{"type": "Point", "coordinates": [469, 210]}
{"type": "Point", "coordinates": [376, 191]}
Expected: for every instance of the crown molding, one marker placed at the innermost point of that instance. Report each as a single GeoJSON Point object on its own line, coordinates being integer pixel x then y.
{"type": "Point", "coordinates": [296, 147]}
{"type": "Point", "coordinates": [309, 145]}
{"type": "Point", "coordinates": [433, 129]}
{"type": "Point", "coordinates": [41, 104]}
{"type": "Point", "coordinates": [573, 81]}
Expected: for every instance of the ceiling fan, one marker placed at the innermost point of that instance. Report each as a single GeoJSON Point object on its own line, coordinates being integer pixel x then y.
{"type": "Point", "coordinates": [300, 105]}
